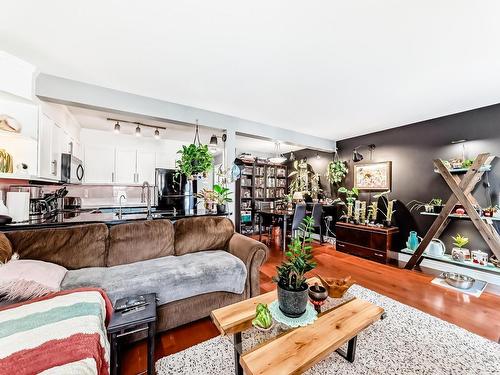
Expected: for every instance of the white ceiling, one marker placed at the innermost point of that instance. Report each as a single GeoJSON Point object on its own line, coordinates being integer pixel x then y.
{"type": "Point", "coordinates": [329, 67]}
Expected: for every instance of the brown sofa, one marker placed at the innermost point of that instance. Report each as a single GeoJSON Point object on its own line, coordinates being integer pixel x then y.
{"type": "Point", "coordinates": [94, 251]}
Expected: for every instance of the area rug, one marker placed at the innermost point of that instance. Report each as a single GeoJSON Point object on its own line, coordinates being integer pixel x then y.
{"type": "Point", "coordinates": [407, 341]}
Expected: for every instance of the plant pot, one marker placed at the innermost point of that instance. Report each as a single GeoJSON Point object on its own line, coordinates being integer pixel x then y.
{"type": "Point", "coordinates": [221, 209]}
{"type": "Point", "coordinates": [293, 303]}
{"type": "Point", "coordinates": [387, 223]}
{"type": "Point", "coordinates": [438, 209]}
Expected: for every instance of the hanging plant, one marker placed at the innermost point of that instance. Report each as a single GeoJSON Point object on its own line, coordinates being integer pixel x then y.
{"type": "Point", "coordinates": [196, 159]}
{"type": "Point", "coordinates": [336, 171]}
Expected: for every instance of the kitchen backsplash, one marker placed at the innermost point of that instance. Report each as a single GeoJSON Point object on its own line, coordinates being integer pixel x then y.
{"type": "Point", "coordinates": [92, 195]}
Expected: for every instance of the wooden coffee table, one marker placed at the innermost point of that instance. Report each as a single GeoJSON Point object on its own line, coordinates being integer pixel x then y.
{"type": "Point", "coordinates": [286, 350]}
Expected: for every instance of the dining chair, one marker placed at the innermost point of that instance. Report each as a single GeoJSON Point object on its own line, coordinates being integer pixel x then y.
{"type": "Point", "coordinates": [298, 216]}
{"type": "Point", "coordinates": [317, 215]}
{"type": "Point", "coordinates": [265, 221]}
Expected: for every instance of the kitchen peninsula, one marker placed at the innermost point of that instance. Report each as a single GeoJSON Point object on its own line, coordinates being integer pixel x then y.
{"type": "Point", "coordinates": [107, 216]}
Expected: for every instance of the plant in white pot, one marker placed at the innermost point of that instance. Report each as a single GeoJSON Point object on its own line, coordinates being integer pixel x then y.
{"type": "Point", "coordinates": [459, 253]}
{"type": "Point", "coordinates": [292, 286]}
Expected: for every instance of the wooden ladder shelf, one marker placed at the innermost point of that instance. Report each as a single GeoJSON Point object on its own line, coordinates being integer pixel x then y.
{"type": "Point", "coordinates": [461, 193]}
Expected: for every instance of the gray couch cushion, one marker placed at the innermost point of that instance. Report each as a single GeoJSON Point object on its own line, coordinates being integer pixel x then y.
{"type": "Point", "coordinates": [172, 278]}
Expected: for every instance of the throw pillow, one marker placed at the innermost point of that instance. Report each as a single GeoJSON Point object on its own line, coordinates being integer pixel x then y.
{"type": "Point", "coordinates": [25, 279]}
{"type": "Point", "coordinates": [5, 249]}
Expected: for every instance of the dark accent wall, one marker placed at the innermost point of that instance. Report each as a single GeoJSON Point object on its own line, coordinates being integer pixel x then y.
{"type": "Point", "coordinates": [317, 161]}
{"type": "Point", "coordinates": [412, 148]}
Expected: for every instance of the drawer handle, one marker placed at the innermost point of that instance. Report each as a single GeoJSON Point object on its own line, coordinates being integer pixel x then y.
{"type": "Point", "coordinates": [340, 245]}
{"type": "Point", "coordinates": [378, 255]}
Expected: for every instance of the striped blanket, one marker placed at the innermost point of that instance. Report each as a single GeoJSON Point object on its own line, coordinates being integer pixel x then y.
{"type": "Point", "coordinates": [62, 333]}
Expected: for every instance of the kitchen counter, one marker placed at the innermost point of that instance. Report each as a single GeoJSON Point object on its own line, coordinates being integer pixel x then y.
{"type": "Point", "coordinates": [75, 217]}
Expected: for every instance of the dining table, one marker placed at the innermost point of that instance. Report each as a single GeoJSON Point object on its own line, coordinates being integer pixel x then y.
{"type": "Point", "coordinates": [282, 214]}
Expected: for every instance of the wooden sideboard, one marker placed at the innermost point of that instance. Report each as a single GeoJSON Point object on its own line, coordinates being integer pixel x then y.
{"type": "Point", "coordinates": [373, 243]}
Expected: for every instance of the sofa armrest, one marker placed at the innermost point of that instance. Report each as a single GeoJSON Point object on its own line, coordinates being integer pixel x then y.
{"type": "Point", "coordinates": [253, 253]}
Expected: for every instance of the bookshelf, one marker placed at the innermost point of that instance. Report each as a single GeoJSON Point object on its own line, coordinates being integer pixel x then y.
{"type": "Point", "coordinates": [259, 182]}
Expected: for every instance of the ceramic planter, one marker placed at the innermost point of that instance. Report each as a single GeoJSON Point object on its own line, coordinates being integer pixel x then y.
{"type": "Point", "coordinates": [293, 303]}
{"type": "Point", "coordinates": [221, 209]}
{"type": "Point", "coordinates": [438, 209]}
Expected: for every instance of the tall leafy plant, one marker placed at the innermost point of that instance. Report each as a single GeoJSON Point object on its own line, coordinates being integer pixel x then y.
{"type": "Point", "coordinates": [336, 171]}
{"type": "Point", "coordinates": [299, 259]}
{"type": "Point", "coordinates": [195, 160]}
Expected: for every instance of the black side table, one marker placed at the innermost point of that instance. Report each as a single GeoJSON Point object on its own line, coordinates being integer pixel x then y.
{"type": "Point", "coordinates": [126, 324]}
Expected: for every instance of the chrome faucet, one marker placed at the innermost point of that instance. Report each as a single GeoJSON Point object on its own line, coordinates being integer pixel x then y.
{"type": "Point", "coordinates": [120, 208]}
{"type": "Point", "coordinates": [145, 185]}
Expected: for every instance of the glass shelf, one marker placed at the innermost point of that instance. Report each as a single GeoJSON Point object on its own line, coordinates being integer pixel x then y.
{"type": "Point", "coordinates": [465, 217]}
{"type": "Point", "coordinates": [484, 168]}
{"type": "Point", "coordinates": [446, 258]}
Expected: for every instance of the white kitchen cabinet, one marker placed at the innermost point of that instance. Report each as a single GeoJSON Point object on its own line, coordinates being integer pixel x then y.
{"type": "Point", "coordinates": [146, 163]}
{"type": "Point", "coordinates": [47, 169]}
{"type": "Point", "coordinates": [56, 150]}
{"type": "Point", "coordinates": [99, 164]}
{"type": "Point", "coordinates": [126, 166]}
{"type": "Point", "coordinates": [165, 160]}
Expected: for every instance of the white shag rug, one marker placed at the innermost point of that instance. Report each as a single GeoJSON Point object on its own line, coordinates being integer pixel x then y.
{"type": "Point", "coordinates": [407, 341]}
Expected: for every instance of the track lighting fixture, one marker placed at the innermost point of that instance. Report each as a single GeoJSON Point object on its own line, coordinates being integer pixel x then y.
{"type": "Point", "coordinates": [213, 140]}
{"type": "Point", "coordinates": [138, 131]}
{"type": "Point", "coordinates": [157, 134]}
{"type": "Point", "coordinates": [117, 127]}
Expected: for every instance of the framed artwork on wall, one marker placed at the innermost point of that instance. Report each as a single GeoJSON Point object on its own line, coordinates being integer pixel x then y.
{"type": "Point", "coordinates": [373, 176]}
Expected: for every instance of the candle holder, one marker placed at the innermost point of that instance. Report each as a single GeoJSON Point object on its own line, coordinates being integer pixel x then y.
{"type": "Point", "coordinates": [317, 294]}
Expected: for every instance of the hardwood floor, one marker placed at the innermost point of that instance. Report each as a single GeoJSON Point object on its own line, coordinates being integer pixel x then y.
{"type": "Point", "coordinates": [478, 315]}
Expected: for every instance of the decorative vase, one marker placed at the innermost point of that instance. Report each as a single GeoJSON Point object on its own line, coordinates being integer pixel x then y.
{"type": "Point", "coordinates": [412, 242]}
{"type": "Point", "coordinates": [293, 303]}
{"type": "Point", "coordinates": [318, 294]}
{"type": "Point", "coordinates": [221, 209]}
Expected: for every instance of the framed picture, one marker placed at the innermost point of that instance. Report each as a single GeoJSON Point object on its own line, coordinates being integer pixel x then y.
{"type": "Point", "coordinates": [373, 176]}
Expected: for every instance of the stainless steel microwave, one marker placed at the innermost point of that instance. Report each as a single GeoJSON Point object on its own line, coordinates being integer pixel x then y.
{"type": "Point", "coordinates": [72, 171]}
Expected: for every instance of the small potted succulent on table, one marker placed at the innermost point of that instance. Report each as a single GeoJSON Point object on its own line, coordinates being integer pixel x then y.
{"type": "Point", "coordinates": [263, 320]}
{"type": "Point", "coordinates": [222, 197]}
{"type": "Point", "coordinates": [292, 286]}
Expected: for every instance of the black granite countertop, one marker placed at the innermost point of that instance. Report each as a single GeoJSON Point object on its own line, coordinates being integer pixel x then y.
{"type": "Point", "coordinates": [109, 217]}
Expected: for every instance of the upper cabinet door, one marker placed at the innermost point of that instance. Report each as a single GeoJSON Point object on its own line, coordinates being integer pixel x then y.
{"type": "Point", "coordinates": [126, 166]}
{"type": "Point", "coordinates": [99, 164]}
{"type": "Point", "coordinates": [146, 163]}
{"type": "Point", "coordinates": [165, 160]}
{"type": "Point", "coordinates": [46, 169]}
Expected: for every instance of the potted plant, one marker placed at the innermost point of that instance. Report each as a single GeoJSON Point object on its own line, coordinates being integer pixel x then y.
{"type": "Point", "coordinates": [263, 320]}
{"type": "Point", "coordinates": [208, 197]}
{"type": "Point", "coordinates": [437, 205]}
{"type": "Point", "coordinates": [489, 211]}
{"type": "Point", "coordinates": [195, 160]}
{"type": "Point", "coordinates": [336, 171]}
{"type": "Point", "coordinates": [292, 286]}
{"type": "Point", "coordinates": [351, 196]}
{"type": "Point", "coordinates": [222, 196]}
{"type": "Point", "coordinates": [459, 253]}
{"type": "Point", "coordinates": [389, 208]}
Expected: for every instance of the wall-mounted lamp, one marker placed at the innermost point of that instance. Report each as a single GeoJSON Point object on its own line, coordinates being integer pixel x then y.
{"type": "Point", "coordinates": [356, 156]}
{"type": "Point", "coordinates": [117, 127]}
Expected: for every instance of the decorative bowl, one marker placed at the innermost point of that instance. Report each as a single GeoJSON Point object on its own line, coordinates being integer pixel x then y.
{"type": "Point", "coordinates": [458, 280]}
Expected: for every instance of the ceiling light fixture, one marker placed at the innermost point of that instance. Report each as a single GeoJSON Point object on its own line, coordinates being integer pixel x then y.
{"type": "Point", "coordinates": [117, 127]}
{"type": "Point", "coordinates": [157, 134]}
{"type": "Point", "coordinates": [213, 140]}
{"type": "Point", "coordinates": [138, 131]}
{"type": "Point", "coordinates": [317, 155]}
{"type": "Point", "coordinates": [278, 157]}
